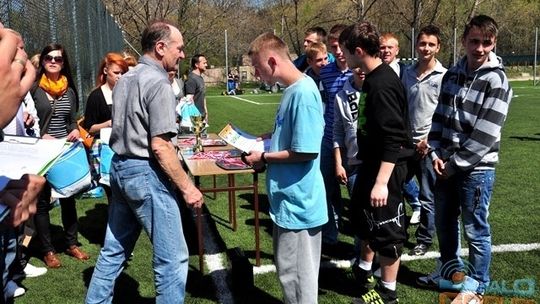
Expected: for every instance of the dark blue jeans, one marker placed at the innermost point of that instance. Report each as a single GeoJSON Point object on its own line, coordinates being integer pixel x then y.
{"type": "Point", "coordinates": [8, 243]}
{"type": "Point", "coordinates": [333, 195]}
{"type": "Point", "coordinates": [466, 194]}
{"type": "Point", "coordinates": [423, 170]}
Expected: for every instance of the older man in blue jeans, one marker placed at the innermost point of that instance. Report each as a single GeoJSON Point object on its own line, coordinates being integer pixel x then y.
{"type": "Point", "coordinates": [145, 173]}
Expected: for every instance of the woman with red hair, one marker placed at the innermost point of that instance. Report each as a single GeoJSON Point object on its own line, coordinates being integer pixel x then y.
{"type": "Point", "coordinates": [97, 115]}
{"type": "Point", "coordinates": [98, 106]}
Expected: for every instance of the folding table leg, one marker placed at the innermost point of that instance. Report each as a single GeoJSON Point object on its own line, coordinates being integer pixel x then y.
{"type": "Point", "coordinates": [200, 239]}
{"type": "Point", "coordinates": [214, 179]}
{"type": "Point", "coordinates": [200, 235]}
{"type": "Point", "coordinates": [232, 202]}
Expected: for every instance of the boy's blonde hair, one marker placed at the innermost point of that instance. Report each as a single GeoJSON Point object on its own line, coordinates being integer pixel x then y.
{"type": "Point", "coordinates": [388, 36]}
{"type": "Point", "coordinates": [314, 49]}
{"type": "Point", "coordinates": [269, 41]}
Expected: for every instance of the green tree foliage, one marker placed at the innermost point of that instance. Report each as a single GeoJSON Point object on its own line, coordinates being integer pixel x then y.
{"type": "Point", "coordinates": [203, 22]}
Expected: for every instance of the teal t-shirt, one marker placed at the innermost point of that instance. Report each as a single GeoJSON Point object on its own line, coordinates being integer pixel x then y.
{"type": "Point", "coordinates": [296, 190]}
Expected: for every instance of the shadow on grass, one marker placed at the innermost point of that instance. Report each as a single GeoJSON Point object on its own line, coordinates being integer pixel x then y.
{"type": "Point", "coordinates": [526, 138]}
{"type": "Point", "coordinates": [198, 285]}
{"type": "Point", "coordinates": [126, 289]}
{"type": "Point", "coordinates": [264, 206]}
{"type": "Point", "coordinates": [225, 223]}
{"type": "Point", "coordinates": [251, 255]}
{"type": "Point", "coordinates": [93, 223]}
{"type": "Point", "coordinates": [58, 240]}
{"type": "Point", "coordinates": [408, 277]}
{"type": "Point", "coordinates": [337, 280]}
{"type": "Point", "coordinates": [258, 296]}
{"type": "Point", "coordinates": [221, 280]}
{"type": "Point", "coordinates": [342, 281]}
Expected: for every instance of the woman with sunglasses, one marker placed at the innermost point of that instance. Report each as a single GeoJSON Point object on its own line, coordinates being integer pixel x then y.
{"type": "Point", "coordinates": [57, 104]}
{"type": "Point", "coordinates": [97, 115]}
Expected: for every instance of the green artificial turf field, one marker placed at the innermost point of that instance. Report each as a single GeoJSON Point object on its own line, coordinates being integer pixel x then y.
{"type": "Point", "coordinates": [514, 216]}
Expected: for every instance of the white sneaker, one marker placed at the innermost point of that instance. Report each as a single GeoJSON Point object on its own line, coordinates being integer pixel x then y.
{"type": "Point", "coordinates": [468, 297]}
{"type": "Point", "coordinates": [32, 271]}
{"type": "Point", "coordinates": [415, 217]}
{"type": "Point", "coordinates": [13, 290]}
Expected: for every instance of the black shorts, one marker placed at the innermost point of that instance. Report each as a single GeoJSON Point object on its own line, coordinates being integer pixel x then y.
{"type": "Point", "coordinates": [384, 227]}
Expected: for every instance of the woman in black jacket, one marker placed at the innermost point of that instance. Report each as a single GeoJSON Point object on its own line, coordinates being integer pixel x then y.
{"type": "Point", "coordinates": [97, 114]}
{"type": "Point", "coordinates": [57, 104]}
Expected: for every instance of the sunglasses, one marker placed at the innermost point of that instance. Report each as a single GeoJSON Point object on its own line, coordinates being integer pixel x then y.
{"type": "Point", "coordinates": [57, 59]}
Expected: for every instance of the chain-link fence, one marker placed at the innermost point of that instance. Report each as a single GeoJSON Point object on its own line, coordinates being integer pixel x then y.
{"type": "Point", "coordinates": [84, 27]}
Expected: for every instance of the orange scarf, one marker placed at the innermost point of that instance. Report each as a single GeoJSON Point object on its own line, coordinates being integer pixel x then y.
{"type": "Point", "coordinates": [54, 88]}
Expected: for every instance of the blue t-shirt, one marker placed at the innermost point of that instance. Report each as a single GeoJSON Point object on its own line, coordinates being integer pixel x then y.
{"type": "Point", "coordinates": [296, 190]}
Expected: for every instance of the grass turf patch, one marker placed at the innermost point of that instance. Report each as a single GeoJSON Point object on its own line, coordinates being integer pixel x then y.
{"type": "Point", "coordinates": [514, 216]}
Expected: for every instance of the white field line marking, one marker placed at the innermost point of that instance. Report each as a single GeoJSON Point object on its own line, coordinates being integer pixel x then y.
{"type": "Point", "coordinates": [215, 263]}
{"type": "Point", "coordinates": [405, 257]}
{"type": "Point", "coordinates": [246, 100]}
{"type": "Point", "coordinates": [253, 102]}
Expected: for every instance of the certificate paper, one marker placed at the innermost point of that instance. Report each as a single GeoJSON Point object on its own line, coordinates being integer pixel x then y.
{"type": "Point", "coordinates": [27, 155]}
{"type": "Point", "coordinates": [242, 140]}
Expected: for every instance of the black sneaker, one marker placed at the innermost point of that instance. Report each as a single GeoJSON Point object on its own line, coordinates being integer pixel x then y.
{"type": "Point", "coordinates": [430, 280]}
{"type": "Point", "coordinates": [365, 279]}
{"type": "Point", "coordinates": [419, 249]}
{"type": "Point", "coordinates": [378, 295]}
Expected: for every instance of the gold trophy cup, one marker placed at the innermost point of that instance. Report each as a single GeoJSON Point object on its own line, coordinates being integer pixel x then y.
{"type": "Point", "coordinates": [199, 126]}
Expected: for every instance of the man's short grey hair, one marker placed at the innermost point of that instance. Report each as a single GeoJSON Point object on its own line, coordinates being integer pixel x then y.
{"type": "Point", "coordinates": [156, 31]}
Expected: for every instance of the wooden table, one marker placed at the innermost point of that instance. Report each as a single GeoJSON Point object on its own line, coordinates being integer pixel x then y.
{"type": "Point", "coordinates": [208, 167]}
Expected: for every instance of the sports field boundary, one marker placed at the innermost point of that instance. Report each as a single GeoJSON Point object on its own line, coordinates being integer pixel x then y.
{"type": "Point", "coordinates": [214, 261]}
{"type": "Point", "coordinates": [253, 102]}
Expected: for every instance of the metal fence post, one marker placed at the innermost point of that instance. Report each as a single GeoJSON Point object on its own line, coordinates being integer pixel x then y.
{"type": "Point", "coordinates": [455, 47]}
{"type": "Point", "coordinates": [52, 20]}
{"type": "Point", "coordinates": [535, 54]}
{"type": "Point", "coordinates": [78, 61]}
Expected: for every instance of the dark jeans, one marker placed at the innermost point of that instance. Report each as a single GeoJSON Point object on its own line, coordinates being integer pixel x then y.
{"type": "Point", "coordinates": [8, 245]}
{"type": "Point", "coordinates": [42, 220]}
{"type": "Point", "coordinates": [424, 172]}
{"type": "Point", "coordinates": [330, 230]}
{"type": "Point", "coordinates": [465, 196]}
{"type": "Point", "coordinates": [28, 229]}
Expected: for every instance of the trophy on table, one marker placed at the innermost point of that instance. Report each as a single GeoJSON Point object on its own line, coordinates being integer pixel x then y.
{"type": "Point", "coordinates": [199, 127]}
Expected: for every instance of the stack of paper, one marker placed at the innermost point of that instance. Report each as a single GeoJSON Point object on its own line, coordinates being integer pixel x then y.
{"type": "Point", "coordinates": [26, 155]}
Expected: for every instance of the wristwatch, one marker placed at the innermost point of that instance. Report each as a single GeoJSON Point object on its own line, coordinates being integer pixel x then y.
{"type": "Point", "coordinates": [263, 158]}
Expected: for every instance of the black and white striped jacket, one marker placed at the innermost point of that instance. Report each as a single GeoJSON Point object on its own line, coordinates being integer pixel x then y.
{"type": "Point", "coordinates": [467, 122]}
